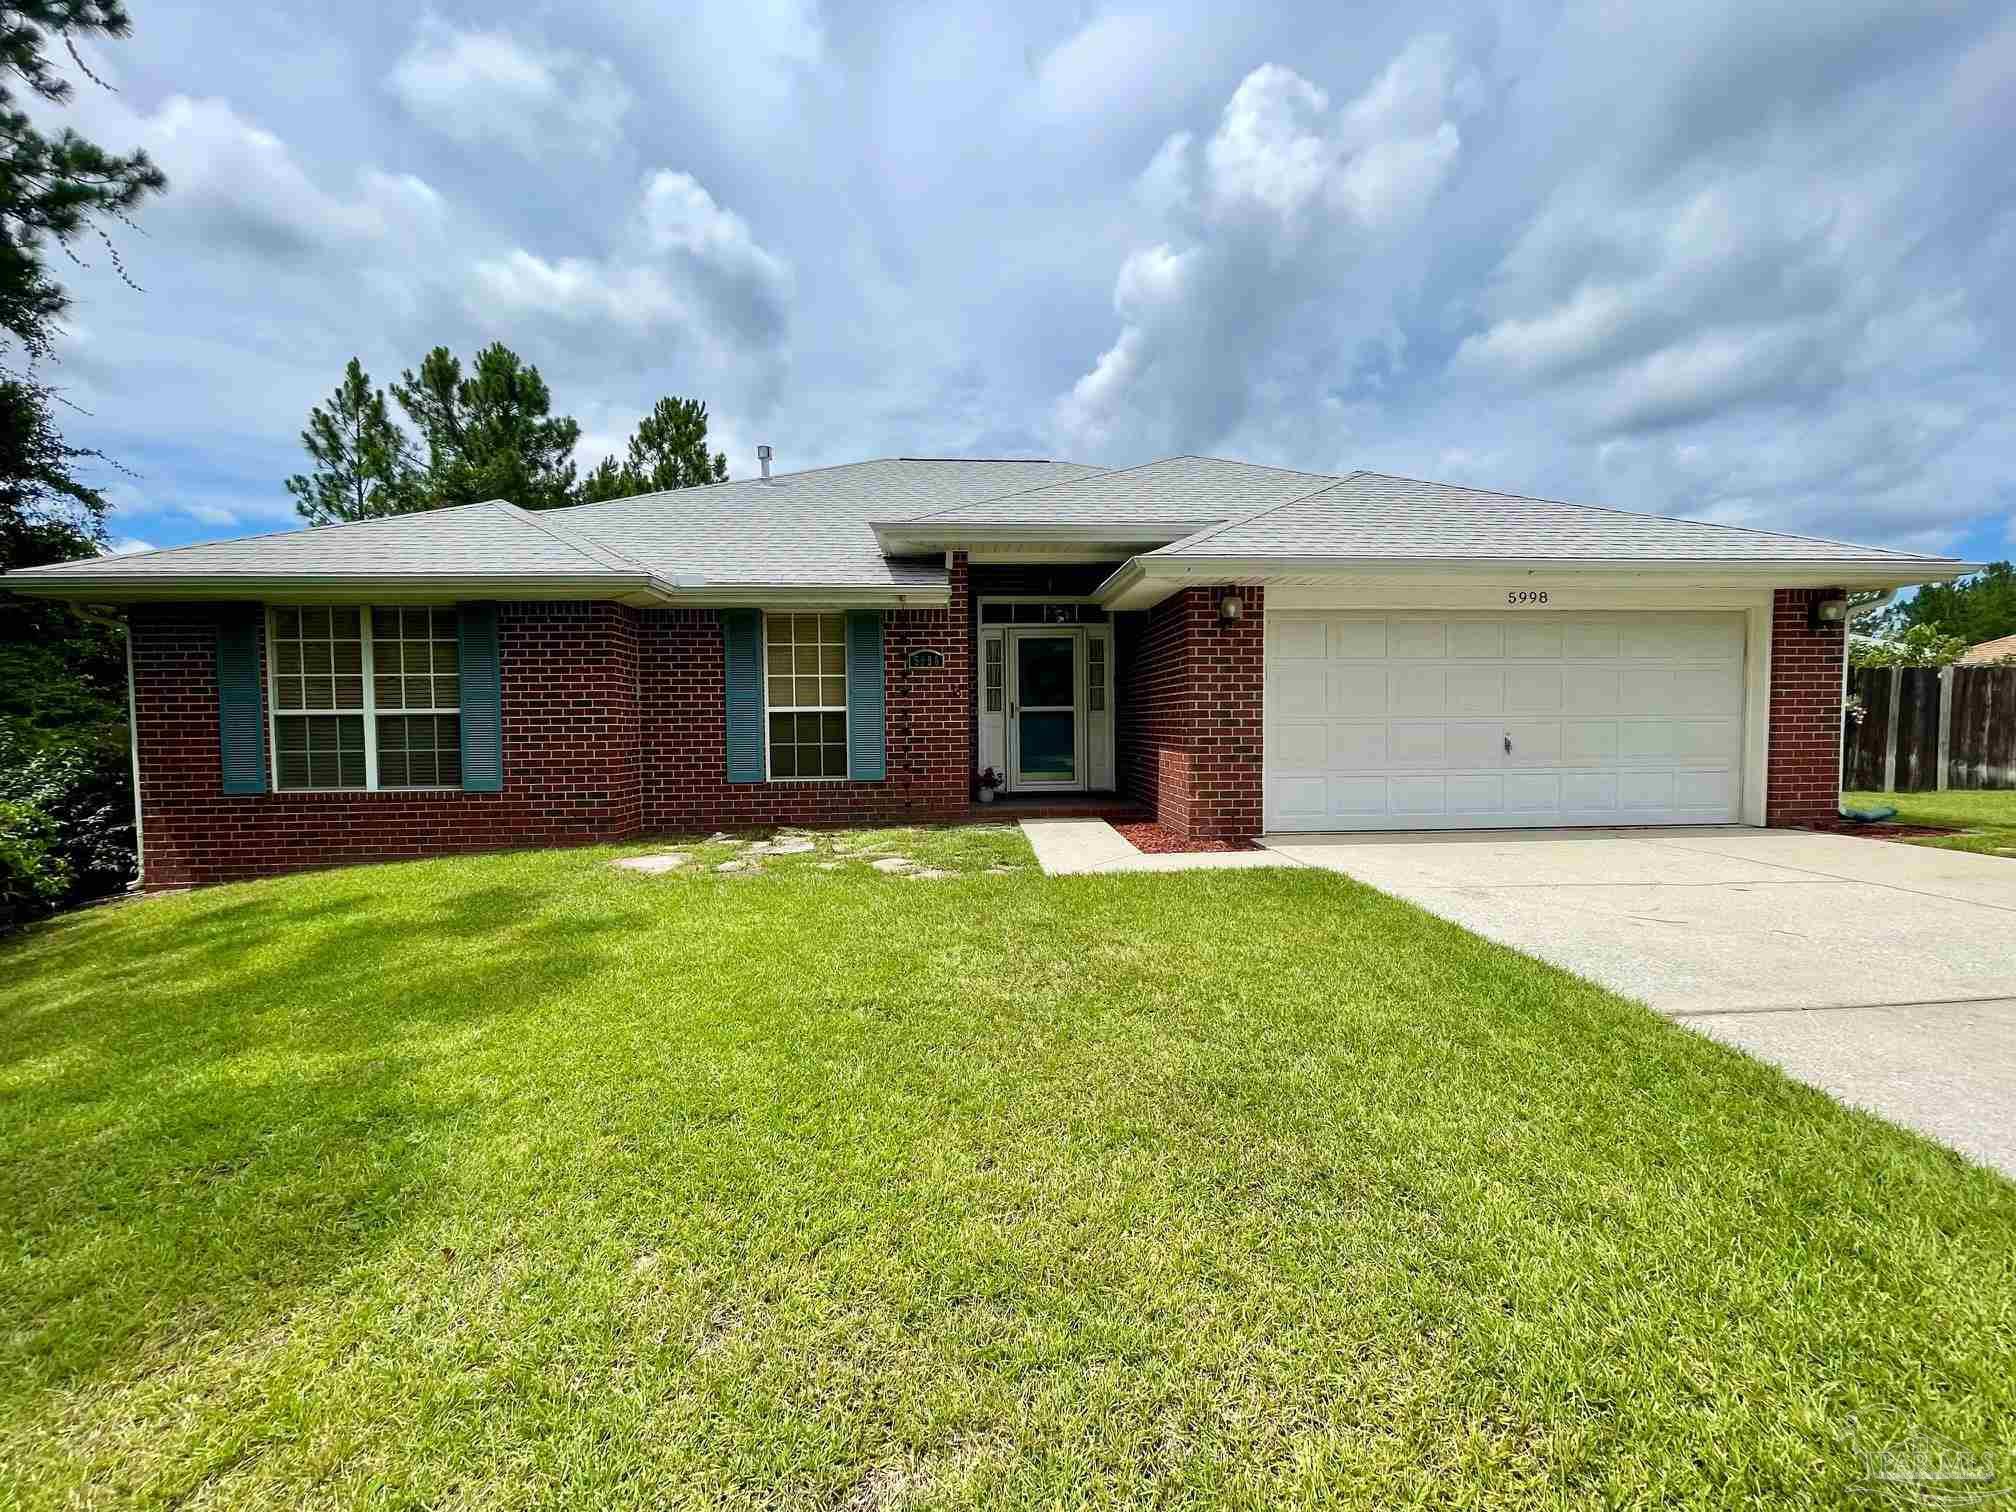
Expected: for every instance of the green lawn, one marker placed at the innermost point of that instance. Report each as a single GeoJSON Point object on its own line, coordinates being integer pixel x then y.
{"type": "Point", "coordinates": [521, 1180]}
{"type": "Point", "coordinates": [1988, 819]}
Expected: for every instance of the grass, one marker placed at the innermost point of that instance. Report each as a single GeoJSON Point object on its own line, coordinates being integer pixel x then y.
{"type": "Point", "coordinates": [521, 1180]}
{"type": "Point", "coordinates": [1988, 819]}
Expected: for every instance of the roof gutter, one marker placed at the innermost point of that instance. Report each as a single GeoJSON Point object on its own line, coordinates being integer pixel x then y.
{"type": "Point", "coordinates": [1145, 580]}
{"type": "Point", "coordinates": [130, 587]}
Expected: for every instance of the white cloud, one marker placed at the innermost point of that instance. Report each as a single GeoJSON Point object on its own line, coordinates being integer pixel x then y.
{"type": "Point", "coordinates": [1274, 209]}
{"type": "Point", "coordinates": [488, 86]}
{"type": "Point", "coordinates": [128, 545]}
{"type": "Point", "coordinates": [688, 274]}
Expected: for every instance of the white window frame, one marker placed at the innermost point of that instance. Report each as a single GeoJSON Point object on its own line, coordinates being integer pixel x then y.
{"type": "Point", "coordinates": [274, 713]}
{"type": "Point", "coordinates": [846, 690]}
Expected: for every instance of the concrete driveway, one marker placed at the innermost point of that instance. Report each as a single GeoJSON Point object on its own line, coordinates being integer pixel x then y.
{"type": "Point", "coordinates": [1884, 973]}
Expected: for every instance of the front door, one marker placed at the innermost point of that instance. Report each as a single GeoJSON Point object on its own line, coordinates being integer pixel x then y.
{"type": "Point", "coordinates": [1046, 731]}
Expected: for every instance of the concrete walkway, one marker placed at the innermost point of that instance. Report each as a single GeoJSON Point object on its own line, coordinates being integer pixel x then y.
{"type": "Point", "coordinates": [1070, 847]}
{"type": "Point", "coordinates": [1883, 973]}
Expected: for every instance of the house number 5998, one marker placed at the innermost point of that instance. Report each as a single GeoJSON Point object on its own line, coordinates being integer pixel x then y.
{"type": "Point", "coordinates": [1526, 596]}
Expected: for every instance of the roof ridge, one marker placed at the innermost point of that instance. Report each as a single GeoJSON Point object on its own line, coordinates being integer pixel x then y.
{"type": "Point", "coordinates": [734, 483]}
{"type": "Point", "coordinates": [1016, 493]}
{"type": "Point", "coordinates": [1224, 525]}
{"type": "Point", "coordinates": [1639, 514]}
{"type": "Point", "coordinates": [266, 535]}
{"type": "Point", "coordinates": [1300, 472]}
{"type": "Point", "coordinates": [595, 551]}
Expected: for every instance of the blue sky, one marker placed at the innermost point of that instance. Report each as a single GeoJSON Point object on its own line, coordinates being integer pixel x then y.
{"type": "Point", "coordinates": [1738, 262]}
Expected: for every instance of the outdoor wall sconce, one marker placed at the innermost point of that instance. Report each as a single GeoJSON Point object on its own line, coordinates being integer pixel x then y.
{"type": "Point", "coordinates": [1826, 613]}
{"type": "Point", "coordinates": [1230, 608]}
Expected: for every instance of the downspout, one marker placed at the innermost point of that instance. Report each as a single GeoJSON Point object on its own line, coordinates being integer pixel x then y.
{"type": "Point", "coordinates": [118, 622]}
{"type": "Point", "coordinates": [1882, 600]}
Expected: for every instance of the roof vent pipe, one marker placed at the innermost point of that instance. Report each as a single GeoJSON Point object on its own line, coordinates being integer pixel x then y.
{"type": "Point", "coordinates": [763, 456]}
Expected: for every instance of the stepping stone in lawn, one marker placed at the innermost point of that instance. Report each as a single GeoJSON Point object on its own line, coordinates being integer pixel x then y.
{"type": "Point", "coordinates": [735, 866]}
{"type": "Point", "coordinates": [791, 847]}
{"type": "Point", "coordinates": [664, 861]}
{"type": "Point", "coordinates": [894, 864]}
{"type": "Point", "coordinates": [930, 874]}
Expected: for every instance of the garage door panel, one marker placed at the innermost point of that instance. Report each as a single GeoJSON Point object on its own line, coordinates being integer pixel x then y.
{"type": "Point", "coordinates": [1707, 690]}
{"type": "Point", "coordinates": [1473, 690]}
{"type": "Point", "coordinates": [1591, 690]}
{"type": "Point", "coordinates": [1417, 795]}
{"type": "Point", "coordinates": [1358, 744]}
{"type": "Point", "coordinates": [1475, 745]}
{"type": "Point", "coordinates": [1645, 790]}
{"type": "Point", "coordinates": [1645, 739]}
{"type": "Point", "coordinates": [1476, 638]}
{"type": "Point", "coordinates": [1588, 638]}
{"type": "Point", "coordinates": [1422, 743]}
{"type": "Point", "coordinates": [1417, 690]}
{"type": "Point", "coordinates": [1534, 743]}
{"type": "Point", "coordinates": [1357, 795]}
{"type": "Point", "coordinates": [1416, 640]}
{"type": "Point", "coordinates": [1299, 747]}
{"type": "Point", "coordinates": [1533, 637]}
{"type": "Point", "coordinates": [1705, 739]}
{"type": "Point", "coordinates": [1533, 689]}
{"type": "Point", "coordinates": [1400, 721]}
{"type": "Point", "coordinates": [1532, 792]}
{"type": "Point", "coordinates": [1704, 790]}
{"type": "Point", "coordinates": [1358, 639]}
{"type": "Point", "coordinates": [1589, 792]}
{"type": "Point", "coordinates": [1588, 742]}
{"type": "Point", "coordinates": [1475, 793]}
{"type": "Point", "coordinates": [1301, 689]}
{"type": "Point", "coordinates": [1300, 639]}
{"type": "Point", "coordinates": [1300, 798]}
{"type": "Point", "coordinates": [1357, 688]}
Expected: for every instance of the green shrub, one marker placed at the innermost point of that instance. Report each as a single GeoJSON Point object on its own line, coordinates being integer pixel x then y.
{"type": "Point", "coordinates": [34, 877]}
{"type": "Point", "coordinates": [84, 789]}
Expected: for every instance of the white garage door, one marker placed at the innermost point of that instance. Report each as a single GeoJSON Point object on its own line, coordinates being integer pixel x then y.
{"type": "Point", "coordinates": [1454, 721]}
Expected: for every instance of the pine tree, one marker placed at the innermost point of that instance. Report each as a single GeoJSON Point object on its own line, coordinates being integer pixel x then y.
{"type": "Point", "coordinates": [490, 435]}
{"type": "Point", "coordinates": [363, 460]}
{"type": "Point", "coordinates": [668, 450]}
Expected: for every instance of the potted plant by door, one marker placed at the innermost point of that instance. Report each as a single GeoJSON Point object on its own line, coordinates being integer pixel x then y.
{"type": "Point", "coordinates": [988, 780]}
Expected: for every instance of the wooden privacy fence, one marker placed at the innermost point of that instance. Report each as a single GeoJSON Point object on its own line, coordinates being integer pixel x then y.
{"type": "Point", "coordinates": [1927, 728]}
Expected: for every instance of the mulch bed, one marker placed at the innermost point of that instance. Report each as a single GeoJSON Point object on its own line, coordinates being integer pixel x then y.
{"type": "Point", "coordinates": [1154, 840]}
{"type": "Point", "coordinates": [1879, 830]}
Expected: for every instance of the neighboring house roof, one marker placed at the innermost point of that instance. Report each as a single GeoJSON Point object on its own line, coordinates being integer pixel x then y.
{"type": "Point", "coordinates": [1989, 651]}
{"type": "Point", "coordinates": [875, 532]}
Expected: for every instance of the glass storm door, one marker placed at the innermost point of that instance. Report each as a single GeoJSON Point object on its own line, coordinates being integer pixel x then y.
{"type": "Point", "coordinates": [1045, 732]}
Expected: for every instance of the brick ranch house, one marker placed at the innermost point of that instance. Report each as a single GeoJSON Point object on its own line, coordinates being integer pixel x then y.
{"type": "Point", "coordinates": [1238, 649]}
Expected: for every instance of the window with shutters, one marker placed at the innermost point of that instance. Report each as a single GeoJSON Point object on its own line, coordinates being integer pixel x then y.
{"type": "Point", "coordinates": [365, 698]}
{"type": "Point", "coordinates": [805, 695]}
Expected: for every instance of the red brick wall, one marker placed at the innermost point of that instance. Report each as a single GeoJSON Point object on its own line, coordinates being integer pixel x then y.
{"type": "Point", "coordinates": [1190, 691]}
{"type": "Point", "coordinates": [614, 724]}
{"type": "Point", "coordinates": [929, 725]}
{"type": "Point", "coordinates": [1803, 781]}
{"type": "Point", "coordinates": [571, 772]}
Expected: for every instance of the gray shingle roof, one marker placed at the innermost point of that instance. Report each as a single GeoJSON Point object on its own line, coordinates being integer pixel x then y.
{"type": "Point", "coordinates": [803, 528]}
{"type": "Point", "coordinates": [1374, 515]}
{"type": "Point", "coordinates": [815, 529]}
{"type": "Point", "coordinates": [1196, 489]}
{"type": "Point", "coordinates": [471, 539]}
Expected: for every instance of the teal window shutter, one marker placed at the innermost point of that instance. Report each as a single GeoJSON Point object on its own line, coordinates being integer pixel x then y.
{"type": "Point", "coordinates": [241, 711]}
{"type": "Point", "coordinates": [866, 704]}
{"type": "Point", "coordinates": [742, 641]}
{"type": "Point", "coordinates": [482, 699]}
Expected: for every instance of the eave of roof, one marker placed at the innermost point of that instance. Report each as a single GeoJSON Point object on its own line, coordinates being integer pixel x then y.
{"type": "Point", "coordinates": [1143, 581]}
